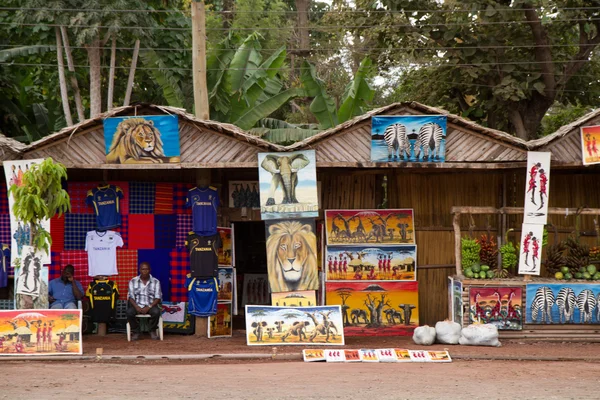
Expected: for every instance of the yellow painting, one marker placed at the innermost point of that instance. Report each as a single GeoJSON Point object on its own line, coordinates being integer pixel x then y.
{"type": "Point", "coordinates": [590, 144]}
{"type": "Point", "coordinates": [294, 299]}
{"type": "Point", "coordinates": [313, 355]}
{"type": "Point", "coordinates": [351, 227]}
{"type": "Point", "coordinates": [220, 323]}
{"type": "Point", "coordinates": [226, 251]}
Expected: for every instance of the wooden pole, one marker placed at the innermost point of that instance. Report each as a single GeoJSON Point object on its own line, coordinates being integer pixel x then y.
{"type": "Point", "coordinates": [111, 74]}
{"type": "Point", "coordinates": [61, 78]}
{"type": "Point", "coordinates": [201, 108]}
{"type": "Point", "coordinates": [136, 51]}
{"type": "Point", "coordinates": [71, 66]}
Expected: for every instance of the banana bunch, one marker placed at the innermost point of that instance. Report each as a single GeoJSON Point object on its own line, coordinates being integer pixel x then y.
{"type": "Point", "coordinates": [509, 256]}
{"type": "Point", "coordinates": [555, 257]}
{"type": "Point", "coordinates": [579, 254]}
{"type": "Point", "coordinates": [469, 252]}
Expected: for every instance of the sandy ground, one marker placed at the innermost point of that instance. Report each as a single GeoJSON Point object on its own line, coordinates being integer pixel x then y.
{"type": "Point", "coordinates": [298, 380]}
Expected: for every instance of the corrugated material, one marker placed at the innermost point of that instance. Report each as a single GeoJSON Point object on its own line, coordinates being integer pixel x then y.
{"type": "Point", "coordinates": [10, 149]}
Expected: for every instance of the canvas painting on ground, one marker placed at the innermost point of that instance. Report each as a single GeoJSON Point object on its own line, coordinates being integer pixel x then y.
{"type": "Point", "coordinates": [457, 302]}
{"type": "Point", "coordinates": [244, 194]}
{"type": "Point", "coordinates": [40, 332]}
{"type": "Point", "coordinates": [562, 303]}
{"type": "Point", "coordinates": [268, 326]}
{"type": "Point", "coordinates": [173, 312]}
{"type": "Point", "coordinates": [311, 355]}
{"type": "Point", "coordinates": [225, 252]}
{"type": "Point", "coordinates": [499, 306]}
{"type": "Point", "coordinates": [530, 249]}
{"type": "Point", "coordinates": [292, 255]}
{"type": "Point", "coordinates": [408, 138]}
{"type": "Point", "coordinates": [288, 185]}
{"type": "Point", "coordinates": [352, 355]}
{"type": "Point", "coordinates": [537, 188]}
{"type": "Point", "coordinates": [590, 144]}
{"type": "Point", "coordinates": [225, 277]}
{"type": "Point", "coordinates": [376, 308]}
{"type": "Point", "coordinates": [255, 290]}
{"type": "Point", "coordinates": [220, 323]}
{"type": "Point", "coordinates": [439, 356]}
{"type": "Point", "coordinates": [354, 227]}
{"type": "Point", "coordinates": [402, 355]}
{"type": "Point", "coordinates": [371, 263]}
{"type": "Point", "coordinates": [147, 139]}
{"type": "Point", "coordinates": [301, 298]}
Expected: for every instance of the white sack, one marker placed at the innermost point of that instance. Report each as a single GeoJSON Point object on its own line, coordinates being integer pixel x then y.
{"type": "Point", "coordinates": [424, 335]}
{"type": "Point", "coordinates": [447, 332]}
{"type": "Point", "coordinates": [480, 335]}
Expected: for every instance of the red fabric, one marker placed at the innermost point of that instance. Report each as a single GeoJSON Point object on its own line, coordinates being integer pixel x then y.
{"type": "Point", "coordinates": [57, 231]}
{"type": "Point", "coordinates": [180, 266]}
{"type": "Point", "coordinates": [79, 260]}
{"type": "Point", "coordinates": [141, 231]}
{"type": "Point", "coordinates": [124, 202]}
{"type": "Point", "coordinates": [78, 192]}
{"type": "Point", "coordinates": [127, 264]}
{"type": "Point", "coordinates": [163, 203]}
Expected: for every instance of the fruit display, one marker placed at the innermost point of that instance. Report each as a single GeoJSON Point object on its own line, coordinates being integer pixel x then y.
{"type": "Point", "coordinates": [488, 253]}
{"type": "Point", "coordinates": [508, 252]}
{"type": "Point", "coordinates": [589, 272]}
{"type": "Point", "coordinates": [578, 254]}
{"type": "Point", "coordinates": [595, 252]}
{"type": "Point", "coordinates": [469, 252]}
{"type": "Point", "coordinates": [555, 259]}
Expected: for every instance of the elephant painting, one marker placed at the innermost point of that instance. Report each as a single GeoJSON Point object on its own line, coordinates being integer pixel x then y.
{"type": "Point", "coordinates": [285, 175]}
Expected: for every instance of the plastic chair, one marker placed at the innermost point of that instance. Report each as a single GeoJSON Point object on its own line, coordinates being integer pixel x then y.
{"type": "Point", "coordinates": [144, 326]}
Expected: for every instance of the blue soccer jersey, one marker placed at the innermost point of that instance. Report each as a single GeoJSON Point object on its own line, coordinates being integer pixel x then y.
{"type": "Point", "coordinates": [4, 261]}
{"type": "Point", "coordinates": [105, 200]}
{"type": "Point", "coordinates": [202, 296]}
{"type": "Point", "coordinates": [204, 203]}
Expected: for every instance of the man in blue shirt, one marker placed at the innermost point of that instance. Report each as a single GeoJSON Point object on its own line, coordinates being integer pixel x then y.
{"type": "Point", "coordinates": [64, 292]}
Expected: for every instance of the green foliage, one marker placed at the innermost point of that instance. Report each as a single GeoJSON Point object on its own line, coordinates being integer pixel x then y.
{"type": "Point", "coordinates": [41, 197]}
{"type": "Point", "coordinates": [562, 114]}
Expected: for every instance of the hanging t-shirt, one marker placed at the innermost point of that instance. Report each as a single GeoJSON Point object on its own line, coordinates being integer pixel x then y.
{"type": "Point", "coordinates": [102, 252]}
{"type": "Point", "coordinates": [105, 200]}
{"type": "Point", "coordinates": [204, 254]}
{"type": "Point", "coordinates": [202, 296]}
{"type": "Point", "coordinates": [4, 261]}
{"type": "Point", "coordinates": [204, 203]}
{"type": "Point", "coordinates": [103, 295]}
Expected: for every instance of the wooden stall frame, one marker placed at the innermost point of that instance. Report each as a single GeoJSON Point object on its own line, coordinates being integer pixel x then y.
{"type": "Point", "coordinates": [458, 211]}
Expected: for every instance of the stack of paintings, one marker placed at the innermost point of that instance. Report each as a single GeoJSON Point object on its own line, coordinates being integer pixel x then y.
{"type": "Point", "coordinates": [220, 324]}
{"type": "Point", "coordinates": [371, 270]}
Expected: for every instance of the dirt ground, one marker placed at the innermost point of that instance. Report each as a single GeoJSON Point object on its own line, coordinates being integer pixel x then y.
{"type": "Point", "coordinates": [297, 380]}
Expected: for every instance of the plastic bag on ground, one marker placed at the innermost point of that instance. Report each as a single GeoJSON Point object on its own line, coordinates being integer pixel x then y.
{"type": "Point", "coordinates": [447, 332]}
{"type": "Point", "coordinates": [424, 335]}
{"type": "Point", "coordinates": [480, 335]}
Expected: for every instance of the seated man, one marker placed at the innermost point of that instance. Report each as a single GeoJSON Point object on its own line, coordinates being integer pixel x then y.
{"type": "Point", "coordinates": [144, 297]}
{"type": "Point", "coordinates": [64, 292]}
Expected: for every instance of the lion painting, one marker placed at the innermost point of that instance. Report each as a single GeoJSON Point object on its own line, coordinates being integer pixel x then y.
{"type": "Point", "coordinates": [137, 141]}
{"type": "Point", "coordinates": [292, 257]}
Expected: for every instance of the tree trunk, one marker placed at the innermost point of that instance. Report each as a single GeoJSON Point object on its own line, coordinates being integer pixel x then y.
{"type": "Point", "coordinates": [111, 74]}
{"type": "Point", "coordinates": [94, 57]}
{"type": "Point", "coordinates": [136, 51]}
{"type": "Point", "coordinates": [526, 116]}
{"type": "Point", "coordinates": [61, 79]}
{"type": "Point", "coordinates": [227, 13]}
{"type": "Point", "coordinates": [73, 78]}
{"type": "Point", "coordinates": [302, 21]}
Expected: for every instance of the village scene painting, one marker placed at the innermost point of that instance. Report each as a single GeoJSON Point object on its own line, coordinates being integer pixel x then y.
{"type": "Point", "coordinates": [299, 298]}
{"type": "Point", "coordinates": [318, 325]}
{"type": "Point", "coordinates": [225, 277]}
{"type": "Point", "coordinates": [288, 185]}
{"type": "Point", "coordinates": [382, 263]}
{"type": "Point", "coordinates": [244, 194]}
{"type": "Point", "coordinates": [220, 323]}
{"type": "Point", "coordinates": [563, 303]}
{"type": "Point", "coordinates": [590, 144]}
{"type": "Point", "coordinates": [499, 306]}
{"type": "Point", "coordinates": [349, 227]}
{"type": "Point", "coordinates": [408, 138]}
{"type": "Point", "coordinates": [376, 308]}
{"type": "Point", "coordinates": [225, 253]}
{"type": "Point", "coordinates": [40, 332]}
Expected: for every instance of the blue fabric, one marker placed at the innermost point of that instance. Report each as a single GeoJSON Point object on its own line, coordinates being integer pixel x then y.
{"type": "Point", "coordinates": [4, 264]}
{"type": "Point", "coordinates": [76, 228]}
{"type": "Point", "coordinates": [165, 231]}
{"type": "Point", "coordinates": [204, 203]}
{"type": "Point", "coordinates": [105, 201]}
{"type": "Point", "coordinates": [160, 264]}
{"type": "Point", "coordinates": [63, 292]}
{"type": "Point", "coordinates": [202, 296]}
{"type": "Point", "coordinates": [141, 198]}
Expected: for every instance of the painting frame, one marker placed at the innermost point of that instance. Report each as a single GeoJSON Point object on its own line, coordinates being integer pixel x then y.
{"type": "Point", "coordinates": [590, 144]}
{"type": "Point", "coordinates": [371, 263]}
{"type": "Point", "coordinates": [241, 196]}
{"type": "Point", "coordinates": [226, 276]}
{"type": "Point", "coordinates": [505, 312]}
{"type": "Point", "coordinates": [559, 314]}
{"type": "Point", "coordinates": [294, 299]}
{"type": "Point", "coordinates": [225, 252]}
{"type": "Point", "coordinates": [531, 242]}
{"type": "Point", "coordinates": [221, 324]}
{"type": "Point", "coordinates": [538, 179]}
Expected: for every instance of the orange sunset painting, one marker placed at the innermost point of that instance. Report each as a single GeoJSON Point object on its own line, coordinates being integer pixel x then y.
{"type": "Point", "coordinates": [590, 144]}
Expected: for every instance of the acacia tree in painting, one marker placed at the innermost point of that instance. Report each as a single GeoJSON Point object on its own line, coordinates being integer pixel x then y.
{"type": "Point", "coordinates": [344, 294]}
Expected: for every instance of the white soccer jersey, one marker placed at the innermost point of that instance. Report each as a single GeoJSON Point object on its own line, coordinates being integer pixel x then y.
{"type": "Point", "coordinates": [102, 252]}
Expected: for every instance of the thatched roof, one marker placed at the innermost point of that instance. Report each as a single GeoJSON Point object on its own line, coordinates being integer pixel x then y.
{"type": "Point", "coordinates": [10, 149]}
{"type": "Point", "coordinates": [564, 130]}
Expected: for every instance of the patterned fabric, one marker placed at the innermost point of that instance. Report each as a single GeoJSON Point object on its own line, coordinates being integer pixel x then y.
{"type": "Point", "coordinates": [165, 231]}
{"type": "Point", "coordinates": [76, 228]}
{"type": "Point", "coordinates": [79, 260]}
{"type": "Point", "coordinates": [4, 199]}
{"type": "Point", "coordinates": [55, 265]}
{"type": "Point", "coordinates": [5, 228]}
{"type": "Point", "coordinates": [144, 295]}
{"type": "Point", "coordinates": [180, 191]}
{"type": "Point", "coordinates": [10, 270]}
{"type": "Point", "coordinates": [124, 230]}
{"type": "Point", "coordinates": [78, 192]}
{"type": "Point", "coordinates": [127, 262]}
{"type": "Point", "coordinates": [160, 264]}
{"type": "Point", "coordinates": [141, 234]}
{"type": "Point", "coordinates": [163, 203]}
{"type": "Point", "coordinates": [124, 203]}
{"type": "Point", "coordinates": [184, 226]}
{"type": "Point", "coordinates": [57, 231]}
{"type": "Point", "coordinates": [141, 198]}
{"type": "Point", "coordinates": [179, 268]}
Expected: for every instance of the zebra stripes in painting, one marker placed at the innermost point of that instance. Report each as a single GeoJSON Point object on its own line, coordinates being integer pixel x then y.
{"type": "Point", "coordinates": [560, 303]}
{"type": "Point", "coordinates": [408, 138]}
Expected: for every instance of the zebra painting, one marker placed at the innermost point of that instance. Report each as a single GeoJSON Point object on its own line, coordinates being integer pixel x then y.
{"type": "Point", "coordinates": [565, 300]}
{"type": "Point", "coordinates": [542, 302]}
{"type": "Point", "coordinates": [598, 309]}
{"type": "Point", "coordinates": [429, 141]}
{"type": "Point", "coordinates": [586, 302]}
{"type": "Point", "coordinates": [397, 141]}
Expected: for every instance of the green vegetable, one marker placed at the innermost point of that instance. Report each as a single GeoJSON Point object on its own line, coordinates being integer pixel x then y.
{"type": "Point", "coordinates": [468, 273]}
{"type": "Point", "coordinates": [490, 274]}
{"type": "Point", "coordinates": [558, 275]}
{"type": "Point", "coordinates": [564, 269]}
{"type": "Point", "coordinates": [476, 268]}
{"type": "Point", "coordinates": [578, 275]}
{"type": "Point", "coordinates": [586, 275]}
{"type": "Point", "coordinates": [485, 268]}
{"type": "Point", "coordinates": [482, 274]}
{"type": "Point", "coordinates": [591, 269]}
{"type": "Point", "coordinates": [596, 276]}
{"type": "Point", "coordinates": [568, 276]}
{"type": "Point", "coordinates": [509, 255]}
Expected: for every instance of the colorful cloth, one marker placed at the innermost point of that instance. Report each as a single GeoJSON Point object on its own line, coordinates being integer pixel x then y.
{"type": "Point", "coordinates": [77, 193]}
{"type": "Point", "coordinates": [163, 203]}
{"type": "Point", "coordinates": [124, 203]}
{"type": "Point", "coordinates": [141, 198]}
{"type": "Point", "coordinates": [57, 231]}
{"type": "Point", "coordinates": [180, 191]}
{"type": "Point", "coordinates": [160, 268]}
{"type": "Point", "coordinates": [106, 201]}
{"type": "Point", "coordinates": [141, 234]}
{"type": "Point", "coordinates": [76, 228]}
{"type": "Point", "coordinates": [55, 265]}
{"type": "Point", "coordinates": [127, 260]}
{"type": "Point", "coordinates": [5, 228]}
{"type": "Point", "coordinates": [165, 231]}
{"type": "Point", "coordinates": [179, 269]}
{"type": "Point", "coordinates": [184, 227]}
{"type": "Point", "coordinates": [124, 230]}
{"type": "Point", "coordinates": [4, 199]}
{"type": "Point", "coordinates": [79, 260]}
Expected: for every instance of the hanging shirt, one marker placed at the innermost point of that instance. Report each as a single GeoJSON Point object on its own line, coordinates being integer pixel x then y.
{"type": "Point", "coordinates": [4, 261]}
{"type": "Point", "coordinates": [204, 203]}
{"type": "Point", "coordinates": [105, 200]}
{"type": "Point", "coordinates": [144, 294]}
{"type": "Point", "coordinates": [103, 295]}
{"type": "Point", "coordinates": [102, 252]}
{"type": "Point", "coordinates": [204, 254]}
{"type": "Point", "coordinates": [202, 296]}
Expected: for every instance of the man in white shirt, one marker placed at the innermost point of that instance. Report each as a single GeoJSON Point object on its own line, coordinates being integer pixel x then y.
{"type": "Point", "coordinates": [144, 298]}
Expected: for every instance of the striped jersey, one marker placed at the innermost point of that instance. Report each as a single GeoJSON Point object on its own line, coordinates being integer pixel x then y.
{"type": "Point", "coordinates": [204, 254]}
{"type": "Point", "coordinates": [103, 295]}
{"type": "Point", "coordinates": [202, 296]}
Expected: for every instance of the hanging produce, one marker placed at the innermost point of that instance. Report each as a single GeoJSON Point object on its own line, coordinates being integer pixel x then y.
{"type": "Point", "coordinates": [508, 252]}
